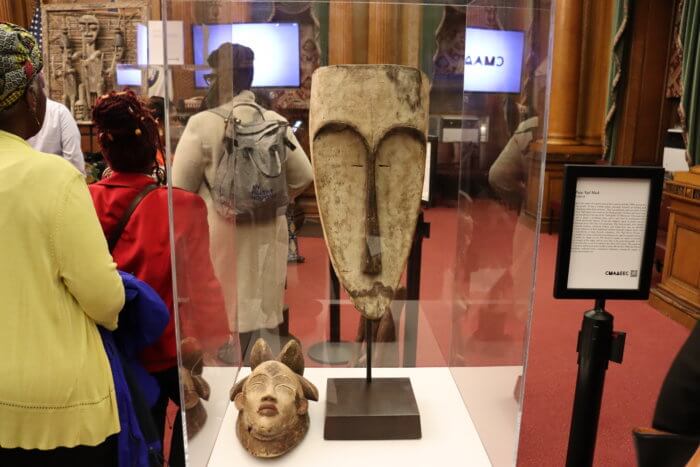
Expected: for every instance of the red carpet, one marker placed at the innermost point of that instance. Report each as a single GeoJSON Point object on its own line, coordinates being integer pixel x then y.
{"type": "Point", "coordinates": [631, 388]}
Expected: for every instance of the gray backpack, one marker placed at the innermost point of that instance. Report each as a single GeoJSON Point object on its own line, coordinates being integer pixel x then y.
{"type": "Point", "coordinates": [250, 180]}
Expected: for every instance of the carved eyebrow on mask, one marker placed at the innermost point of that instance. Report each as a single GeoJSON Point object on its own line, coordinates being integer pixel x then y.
{"type": "Point", "coordinates": [338, 126]}
{"type": "Point", "coordinates": [255, 378]}
{"type": "Point", "coordinates": [281, 379]}
{"type": "Point", "coordinates": [372, 261]}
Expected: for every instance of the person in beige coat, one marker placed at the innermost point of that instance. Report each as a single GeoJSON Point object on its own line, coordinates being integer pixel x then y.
{"type": "Point", "coordinates": [250, 257]}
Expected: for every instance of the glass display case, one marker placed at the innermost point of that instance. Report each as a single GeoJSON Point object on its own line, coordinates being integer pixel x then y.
{"type": "Point", "coordinates": [433, 168]}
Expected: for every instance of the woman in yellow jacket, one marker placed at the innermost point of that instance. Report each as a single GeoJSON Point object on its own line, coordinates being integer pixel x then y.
{"type": "Point", "coordinates": [57, 283]}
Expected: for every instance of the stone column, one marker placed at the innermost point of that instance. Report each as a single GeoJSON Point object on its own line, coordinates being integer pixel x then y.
{"type": "Point", "coordinates": [566, 71]}
{"type": "Point", "coordinates": [383, 32]}
{"type": "Point", "coordinates": [595, 68]}
{"type": "Point", "coordinates": [340, 33]}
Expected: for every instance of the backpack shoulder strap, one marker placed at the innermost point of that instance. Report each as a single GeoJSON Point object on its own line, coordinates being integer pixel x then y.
{"type": "Point", "coordinates": [228, 113]}
{"type": "Point", "coordinates": [119, 229]}
{"type": "Point", "coordinates": [250, 104]}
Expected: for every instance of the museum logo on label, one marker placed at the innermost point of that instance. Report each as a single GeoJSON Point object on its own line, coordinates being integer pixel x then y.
{"type": "Point", "coordinates": [630, 273]}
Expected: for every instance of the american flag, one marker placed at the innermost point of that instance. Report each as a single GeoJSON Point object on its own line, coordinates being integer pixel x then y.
{"type": "Point", "coordinates": [35, 26]}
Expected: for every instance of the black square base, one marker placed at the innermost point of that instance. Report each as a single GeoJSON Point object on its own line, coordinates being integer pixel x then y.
{"type": "Point", "coordinates": [383, 409]}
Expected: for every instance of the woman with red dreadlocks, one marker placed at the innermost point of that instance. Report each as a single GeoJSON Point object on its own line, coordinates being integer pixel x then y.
{"type": "Point", "coordinates": [132, 206]}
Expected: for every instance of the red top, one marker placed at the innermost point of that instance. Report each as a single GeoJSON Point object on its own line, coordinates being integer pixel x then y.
{"type": "Point", "coordinates": [144, 251]}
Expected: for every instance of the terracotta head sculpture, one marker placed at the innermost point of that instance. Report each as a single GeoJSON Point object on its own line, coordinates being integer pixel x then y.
{"type": "Point", "coordinates": [368, 126]}
{"type": "Point", "coordinates": [272, 402]}
{"type": "Point", "coordinates": [195, 387]}
{"type": "Point", "coordinates": [80, 111]}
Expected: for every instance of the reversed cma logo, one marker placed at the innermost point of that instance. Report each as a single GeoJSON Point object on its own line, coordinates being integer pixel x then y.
{"type": "Point", "coordinates": [485, 60]}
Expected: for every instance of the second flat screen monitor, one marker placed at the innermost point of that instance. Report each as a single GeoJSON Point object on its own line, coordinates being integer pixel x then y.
{"type": "Point", "coordinates": [276, 48]}
{"type": "Point", "coordinates": [493, 60]}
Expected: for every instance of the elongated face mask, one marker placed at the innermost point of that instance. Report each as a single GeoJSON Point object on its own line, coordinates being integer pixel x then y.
{"type": "Point", "coordinates": [368, 126]}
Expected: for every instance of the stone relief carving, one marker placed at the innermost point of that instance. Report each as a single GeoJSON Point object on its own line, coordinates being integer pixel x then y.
{"type": "Point", "coordinates": [85, 45]}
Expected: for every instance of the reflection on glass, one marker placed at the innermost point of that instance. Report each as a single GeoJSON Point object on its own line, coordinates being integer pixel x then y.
{"type": "Point", "coordinates": [224, 154]}
{"type": "Point", "coordinates": [463, 301]}
{"type": "Point", "coordinates": [498, 195]}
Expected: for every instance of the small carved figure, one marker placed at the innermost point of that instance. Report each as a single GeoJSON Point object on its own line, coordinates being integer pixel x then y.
{"type": "Point", "coordinates": [90, 61]}
{"type": "Point", "coordinates": [273, 402]}
{"type": "Point", "coordinates": [118, 56]}
{"type": "Point", "coordinates": [67, 72]}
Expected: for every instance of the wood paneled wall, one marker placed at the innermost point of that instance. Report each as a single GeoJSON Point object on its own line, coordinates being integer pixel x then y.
{"type": "Point", "coordinates": [341, 21]}
{"type": "Point", "coordinates": [595, 69]}
{"type": "Point", "coordinates": [645, 110]}
{"type": "Point", "coordinates": [374, 33]}
{"type": "Point", "coordinates": [17, 11]}
{"type": "Point", "coordinates": [566, 73]}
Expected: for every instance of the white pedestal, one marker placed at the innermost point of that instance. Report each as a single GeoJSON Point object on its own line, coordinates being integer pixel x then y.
{"type": "Point", "coordinates": [220, 381]}
{"type": "Point", "coordinates": [449, 436]}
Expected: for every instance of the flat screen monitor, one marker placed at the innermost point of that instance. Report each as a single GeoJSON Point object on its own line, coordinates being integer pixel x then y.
{"type": "Point", "coordinates": [276, 48]}
{"type": "Point", "coordinates": [493, 60]}
{"type": "Point", "coordinates": [142, 44]}
{"type": "Point", "coordinates": [129, 76]}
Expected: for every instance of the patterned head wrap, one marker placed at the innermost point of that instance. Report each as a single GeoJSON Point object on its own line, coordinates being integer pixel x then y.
{"type": "Point", "coordinates": [20, 62]}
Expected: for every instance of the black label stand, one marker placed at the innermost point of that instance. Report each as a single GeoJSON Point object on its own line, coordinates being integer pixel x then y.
{"type": "Point", "coordinates": [597, 344]}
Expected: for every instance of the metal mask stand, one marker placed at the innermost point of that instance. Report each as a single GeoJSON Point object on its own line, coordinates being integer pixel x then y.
{"type": "Point", "coordinates": [338, 352]}
{"type": "Point", "coordinates": [374, 408]}
{"type": "Point", "coordinates": [371, 408]}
